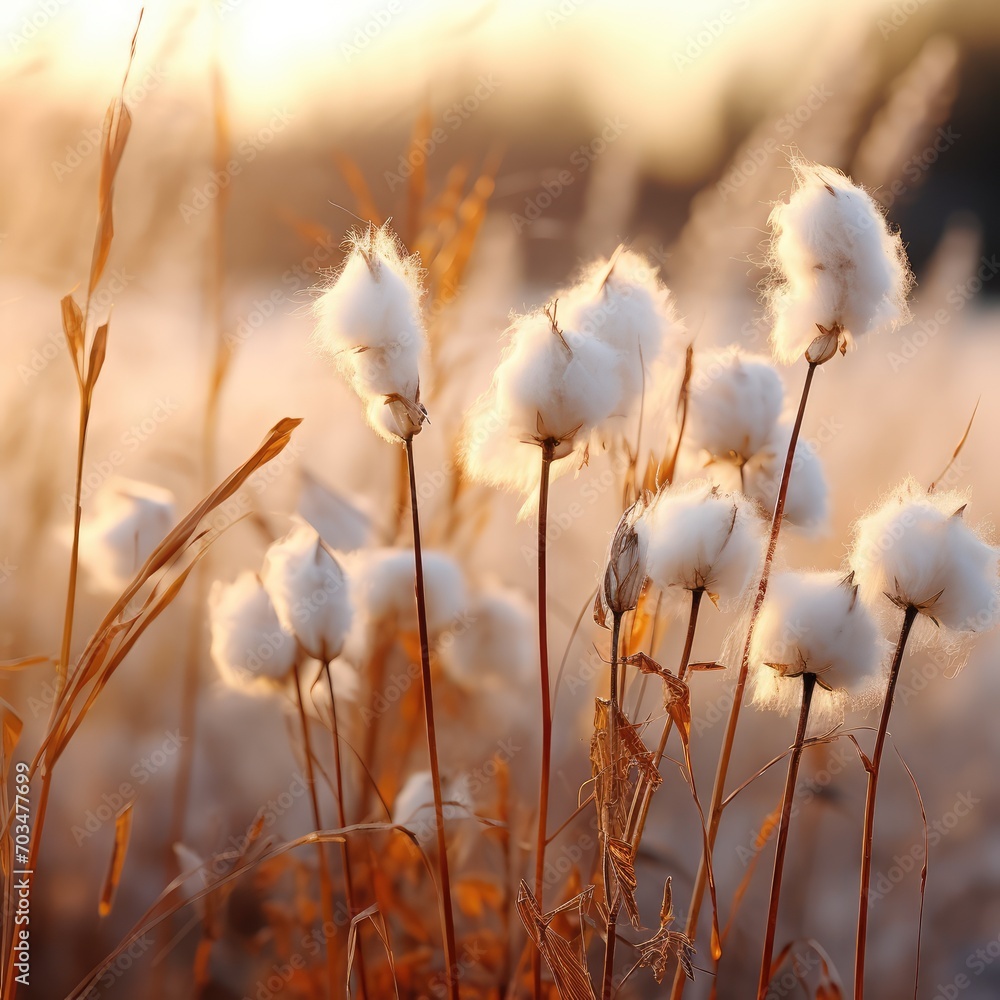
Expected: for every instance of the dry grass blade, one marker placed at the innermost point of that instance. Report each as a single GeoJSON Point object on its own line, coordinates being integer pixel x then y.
{"type": "Point", "coordinates": [369, 913]}
{"type": "Point", "coordinates": [623, 868]}
{"type": "Point", "coordinates": [98, 352]}
{"type": "Point", "coordinates": [72, 321]}
{"type": "Point", "coordinates": [665, 943]}
{"type": "Point", "coordinates": [677, 702]}
{"type": "Point", "coordinates": [923, 870]}
{"type": "Point", "coordinates": [165, 907]}
{"type": "Point", "coordinates": [24, 661]}
{"type": "Point", "coordinates": [94, 659]}
{"type": "Point", "coordinates": [957, 451]}
{"type": "Point", "coordinates": [355, 179]}
{"type": "Point", "coordinates": [123, 831]}
{"type": "Point", "coordinates": [636, 752]}
{"type": "Point", "coordinates": [666, 470]}
{"type": "Point", "coordinates": [764, 834]}
{"type": "Point", "coordinates": [568, 964]}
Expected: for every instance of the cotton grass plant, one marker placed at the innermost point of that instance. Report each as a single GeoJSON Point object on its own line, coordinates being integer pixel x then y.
{"type": "Point", "coordinates": [574, 379]}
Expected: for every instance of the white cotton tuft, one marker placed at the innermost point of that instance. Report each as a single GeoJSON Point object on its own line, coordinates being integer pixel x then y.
{"type": "Point", "coordinates": [572, 371]}
{"type": "Point", "coordinates": [623, 304]}
{"type": "Point", "coordinates": [699, 538]}
{"type": "Point", "coordinates": [807, 502]}
{"type": "Point", "coordinates": [734, 405]}
{"type": "Point", "coordinates": [494, 647]}
{"type": "Point", "coordinates": [309, 591]}
{"type": "Point", "coordinates": [815, 623]}
{"type": "Point", "coordinates": [250, 649]}
{"type": "Point", "coordinates": [129, 520]}
{"type": "Point", "coordinates": [838, 265]}
{"type": "Point", "coordinates": [917, 549]}
{"type": "Point", "coordinates": [368, 320]}
{"type": "Point", "coordinates": [382, 585]}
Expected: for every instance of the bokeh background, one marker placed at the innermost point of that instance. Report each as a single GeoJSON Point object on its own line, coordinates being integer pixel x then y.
{"type": "Point", "coordinates": [511, 142]}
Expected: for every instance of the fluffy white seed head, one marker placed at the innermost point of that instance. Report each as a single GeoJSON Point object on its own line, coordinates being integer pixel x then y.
{"type": "Point", "coordinates": [622, 303]}
{"type": "Point", "coordinates": [839, 268]}
{"type": "Point", "coordinates": [700, 538]}
{"type": "Point", "coordinates": [815, 623]}
{"type": "Point", "coordinates": [250, 649]}
{"type": "Point", "coordinates": [734, 405]}
{"type": "Point", "coordinates": [382, 588]}
{"type": "Point", "coordinates": [917, 549]}
{"type": "Point", "coordinates": [129, 520]}
{"type": "Point", "coordinates": [807, 503]}
{"type": "Point", "coordinates": [309, 591]}
{"type": "Point", "coordinates": [494, 647]}
{"type": "Point", "coordinates": [368, 320]}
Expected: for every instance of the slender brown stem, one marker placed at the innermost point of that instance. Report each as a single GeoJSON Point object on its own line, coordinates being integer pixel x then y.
{"type": "Point", "coordinates": [909, 616]}
{"type": "Point", "coordinates": [548, 449]}
{"type": "Point", "coordinates": [345, 851]}
{"type": "Point", "coordinates": [682, 672]}
{"type": "Point", "coordinates": [615, 906]}
{"type": "Point", "coordinates": [448, 916]}
{"type": "Point", "coordinates": [722, 771]}
{"type": "Point", "coordinates": [325, 883]}
{"type": "Point", "coordinates": [808, 685]}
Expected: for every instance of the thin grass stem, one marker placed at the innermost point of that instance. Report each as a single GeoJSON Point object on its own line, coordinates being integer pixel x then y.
{"type": "Point", "coordinates": [325, 882]}
{"type": "Point", "coordinates": [548, 449]}
{"type": "Point", "coordinates": [613, 906]}
{"type": "Point", "coordinates": [729, 739]}
{"type": "Point", "coordinates": [808, 686]}
{"type": "Point", "coordinates": [448, 916]}
{"type": "Point", "coordinates": [873, 766]}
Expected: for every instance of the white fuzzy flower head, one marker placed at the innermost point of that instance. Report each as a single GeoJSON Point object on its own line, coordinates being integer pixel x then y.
{"type": "Point", "coordinates": [368, 320]}
{"type": "Point", "coordinates": [309, 591]}
{"type": "Point", "coordinates": [841, 273]}
{"type": "Point", "coordinates": [734, 404]}
{"type": "Point", "coordinates": [250, 649]}
{"type": "Point", "coordinates": [815, 623]}
{"type": "Point", "coordinates": [382, 588]}
{"type": "Point", "coordinates": [129, 520]}
{"type": "Point", "coordinates": [807, 503]}
{"type": "Point", "coordinates": [698, 538]}
{"type": "Point", "coordinates": [917, 549]}
{"type": "Point", "coordinates": [622, 303]}
{"type": "Point", "coordinates": [493, 646]}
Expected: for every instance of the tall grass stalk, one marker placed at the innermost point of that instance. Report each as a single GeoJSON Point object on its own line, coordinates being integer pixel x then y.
{"type": "Point", "coordinates": [613, 905]}
{"type": "Point", "coordinates": [718, 789]}
{"type": "Point", "coordinates": [873, 766]}
{"type": "Point", "coordinates": [548, 450]}
{"type": "Point", "coordinates": [808, 686]}
{"type": "Point", "coordinates": [682, 672]}
{"type": "Point", "coordinates": [345, 851]}
{"type": "Point", "coordinates": [325, 882]}
{"type": "Point", "coordinates": [448, 916]}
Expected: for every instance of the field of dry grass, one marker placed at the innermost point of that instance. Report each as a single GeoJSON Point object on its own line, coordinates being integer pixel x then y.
{"type": "Point", "coordinates": [306, 695]}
